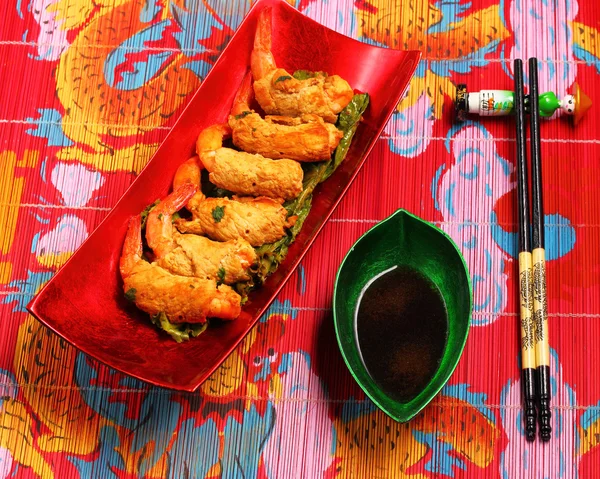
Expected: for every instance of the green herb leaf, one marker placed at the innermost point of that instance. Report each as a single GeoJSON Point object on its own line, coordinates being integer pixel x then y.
{"type": "Point", "coordinates": [305, 74]}
{"type": "Point", "coordinates": [221, 274]}
{"type": "Point", "coordinates": [160, 216]}
{"type": "Point", "coordinates": [147, 211]}
{"type": "Point", "coordinates": [217, 213]}
{"type": "Point", "coordinates": [283, 78]}
{"type": "Point", "coordinates": [242, 115]}
{"type": "Point", "coordinates": [130, 294]}
{"type": "Point", "coordinates": [175, 216]}
{"type": "Point", "coordinates": [271, 255]}
{"type": "Point", "coordinates": [179, 332]}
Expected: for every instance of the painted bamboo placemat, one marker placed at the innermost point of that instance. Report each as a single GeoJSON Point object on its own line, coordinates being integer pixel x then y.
{"type": "Point", "coordinates": [89, 89]}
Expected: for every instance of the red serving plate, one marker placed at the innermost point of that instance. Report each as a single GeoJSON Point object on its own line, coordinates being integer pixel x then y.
{"type": "Point", "coordinates": [84, 301]}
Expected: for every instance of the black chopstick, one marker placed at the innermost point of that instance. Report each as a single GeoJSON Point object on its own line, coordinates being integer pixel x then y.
{"type": "Point", "coordinates": [525, 270]}
{"type": "Point", "coordinates": [540, 317]}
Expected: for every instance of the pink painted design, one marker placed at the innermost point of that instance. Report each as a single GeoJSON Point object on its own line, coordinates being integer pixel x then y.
{"type": "Point", "coordinates": [466, 195]}
{"type": "Point", "coordinates": [76, 183]}
{"type": "Point", "coordinates": [411, 129]}
{"type": "Point", "coordinates": [68, 234]}
{"type": "Point", "coordinates": [6, 463]}
{"type": "Point", "coordinates": [554, 50]}
{"type": "Point", "coordinates": [307, 451]}
{"type": "Point", "coordinates": [52, 39]}
{"type": "Point", "coordinates": [335, 14]}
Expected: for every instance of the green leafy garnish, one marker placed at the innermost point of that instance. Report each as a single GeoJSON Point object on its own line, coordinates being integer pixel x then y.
{"type": "Point", "coordinates": [130, 294]}
{"type": "Point", "coordinates": [242, 115]}
{"type": "Point", "coordinates": [175, 216]}
{"type": "Point", "coordinates": [217, 213]}
{"type": "Point", "coordinates": [147, 211]}
{"type": "Point", "coordinates": [179, 332]}
{"type": "Point", "coordinates": [160, 216]}
{"type": "Point", "coordinates": [305, 74]}
{"type": "Point", "coordinates": [221, 274]}
{"type": "Point", "coordinates": [271, 255]}
{"type": "Point", "coordinates": [283, 78]}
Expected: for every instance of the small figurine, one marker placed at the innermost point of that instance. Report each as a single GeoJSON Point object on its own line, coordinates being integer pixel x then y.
{"type": "Point", "coordinates": [501, 103]}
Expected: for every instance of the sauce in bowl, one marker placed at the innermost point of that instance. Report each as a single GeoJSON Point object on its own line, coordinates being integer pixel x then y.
{"type": "Point", "coordinates": [402, 330]}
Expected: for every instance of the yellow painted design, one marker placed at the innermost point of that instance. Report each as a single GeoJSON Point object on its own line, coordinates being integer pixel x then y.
{"type": "Point", "coordinates": [407, 28]}
{"type": "Point", "coordinates": [227, 379]}
{"type": "Point", "coordinates": [432, 85]}
{"type": "Point", "coordinates": [5, 271]}
{"type": "Point", "coordinates": [586, 37]}
{"type": "Point", "coordinates": [132, 158]}
{"type": "Point", "coordinates": [54, 260]}
{"type": "Point", "coordinates": [17, 426]}
{"type": "Point", "coordinates": [96, 114]}
{"type": "Point", "coordinates": [43, 356]}
{"type": "Point", "coordinates": [589, 438]}
{"type": "Point", "coordinates": [11, 192]}
{"type": "Point", "coordinates": [376, 446]}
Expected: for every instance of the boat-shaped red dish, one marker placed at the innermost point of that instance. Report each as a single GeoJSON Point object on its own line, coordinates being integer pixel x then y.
{"type": "Point", "coordinates": [84, 301]}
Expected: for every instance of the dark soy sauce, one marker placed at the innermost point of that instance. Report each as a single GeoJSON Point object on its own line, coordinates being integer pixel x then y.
{"type": "Point", "coordinates": [402, 328]}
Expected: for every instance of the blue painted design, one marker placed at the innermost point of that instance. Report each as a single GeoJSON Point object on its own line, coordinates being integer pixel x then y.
{"type": "Point", "coordinates": [198, 463]}
{"type": "Point", "coordinates": [48, 126]}
{"type": "Point", "coordinates": [285, 363]}
{"type": "Point", "coordinates": [488, 190]}
{"type": "Point", "coordinates": [25, 289]}
{"type": "Point", "coordinates": [464, 65]}
{"type": "Point", "coordinates": [507, 241]}
{"type": "Point", "coordinates": [422, 68]}
{"type": "Point", "coordinates": [264, 372]}
{"type": "Point", "coordinates": [470, 244]}
{"type": "Point", "coordinates": [108, 460]}
{"type": "Point", "coordinates": [449, 199]}
{"type": "Point", "coordinates": [193, 31]}
{"type": "Point", "coordinates": [245, 441]}
{"type": "Point", "coordinates": [477, 400]}
{"type": "Point", "coordinates": [582, 54]}
{"type": "Point", "coordinates": [149, 11]}
{"type": "Point", "coordinates": [277, 307]}
{"type": "Point", "coordinates": [230, 13]}
{"type": "Point", "coordinates": [472, 174]}
{"type": "Point", "coordinates": [451, 11]}
{"type": "Point", "coordinates": [301, 288]}
{"type": "Point", "coordinates": [434, 185]}
{"type": "Point", "coordinates": [560, 236]}
{"type": "Point", "coordinates": [34, 241]}
{"type": "Point", "coordinates": [141, 71]}
{"type": "Point", "coordinates": [199, 67]}
{"type": "Point", "coordinates": [154, 424]}
{"type": "Point", "coordinates": [534, 14]}
{"type": "Point", "coordinates": [19, 7]}
{"type": "Point", "coordinates": [459, 126]}
{"type": "Point", "coordinates": [441, 460]}
{"type": "Point", "coordinates": [44, 221]}
{"type": "Point", "coordinates": [590, 416]}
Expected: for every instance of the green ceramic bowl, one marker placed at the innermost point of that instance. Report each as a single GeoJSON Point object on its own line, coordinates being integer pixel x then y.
{"type": "Point", "coordinates": [404, 240]}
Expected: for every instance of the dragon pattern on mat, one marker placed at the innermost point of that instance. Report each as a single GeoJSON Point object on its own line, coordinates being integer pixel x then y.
{"type": "Point", "coordinates": [111, 76]}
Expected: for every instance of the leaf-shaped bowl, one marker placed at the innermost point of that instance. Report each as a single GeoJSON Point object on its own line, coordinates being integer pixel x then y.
{"type": "Point", "coordinates": [403, 240]}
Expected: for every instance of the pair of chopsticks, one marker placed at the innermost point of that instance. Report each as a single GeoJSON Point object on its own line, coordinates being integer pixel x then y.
{"type": "Point", "coordinates": [535, 350]}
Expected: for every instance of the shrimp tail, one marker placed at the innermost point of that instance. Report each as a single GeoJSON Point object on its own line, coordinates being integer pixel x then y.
{"type": "Point", "coordinates": [159, 227]}
{"type": "Point", "coordinates": [189, 172]}
{"type": "Point", "coordinates": [132, 247]}
{"type": "Point", "coordinates": [244, 96]}
{"type": "Point", "coordinates": [209, 141]}
{"type": "Point", "coordinates": [261, 60]}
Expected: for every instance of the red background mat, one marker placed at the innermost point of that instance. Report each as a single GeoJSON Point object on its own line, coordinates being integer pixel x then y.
{"type": "Point", "coordinates": [283, 405]}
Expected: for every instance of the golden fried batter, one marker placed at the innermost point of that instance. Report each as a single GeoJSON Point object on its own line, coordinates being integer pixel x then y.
{"type": "Point", "coordinates": [257, 220]}
{"type": "Point", "coordinates": [182, 299]}
{"type": "Point", "coordinates": [201, 257]}
{"type": "Point", "coordinates": [246, 173]}
{"type": "Point", "coordinates": [307, 138]}
{"type": "Point", "coordinates": [278, 93]}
